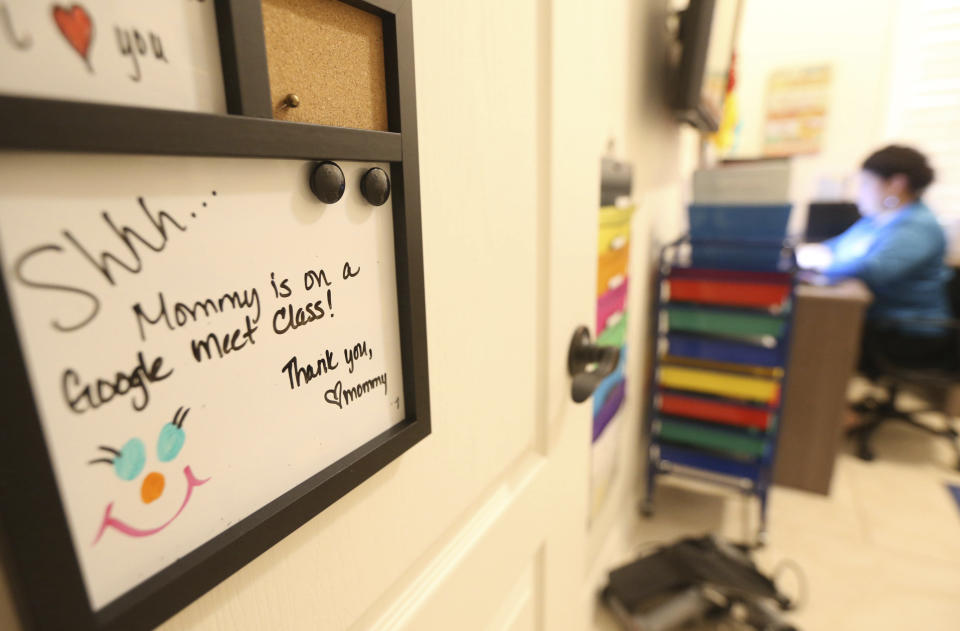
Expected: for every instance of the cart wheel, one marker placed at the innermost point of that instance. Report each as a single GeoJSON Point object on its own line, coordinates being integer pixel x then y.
{"type": "Point", "coordinates": [646, 509]}
{"type": "Point", "coordinates": [865, 453]}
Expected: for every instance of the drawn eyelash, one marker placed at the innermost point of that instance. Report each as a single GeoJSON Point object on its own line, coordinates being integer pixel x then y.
{"type": "Point", "coordinates": [115, 452]}
{"type": "Point", "coordinates": [182, 418]}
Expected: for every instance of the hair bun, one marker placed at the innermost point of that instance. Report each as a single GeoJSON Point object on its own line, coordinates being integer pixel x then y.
{"type": "Point", "coordinates": [898, 159]}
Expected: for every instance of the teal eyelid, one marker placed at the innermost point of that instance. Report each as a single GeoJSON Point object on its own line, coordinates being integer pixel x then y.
{"type": "Point", "coordinates": [170, 442]}
{"type": "Point", "coordinates": [129, 463]}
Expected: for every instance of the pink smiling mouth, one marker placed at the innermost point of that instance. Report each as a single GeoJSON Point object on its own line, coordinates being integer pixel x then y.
{"type": "Point", "coordinates": [127, 529]}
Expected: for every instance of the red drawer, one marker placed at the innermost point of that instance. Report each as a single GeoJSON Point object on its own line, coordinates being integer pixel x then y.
{"type": "Point", "coordinates": [716, 292]}
{"type": "Point", "coordinates": [714, 411]}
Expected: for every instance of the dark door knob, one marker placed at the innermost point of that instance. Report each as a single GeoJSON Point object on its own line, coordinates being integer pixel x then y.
{"type": "Point", "coordinates": [589, 364]}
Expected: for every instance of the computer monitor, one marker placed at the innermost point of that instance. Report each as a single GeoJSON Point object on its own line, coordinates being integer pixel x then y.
{"type": "Point", "coordinates": [828, 219]}
{"type": "Point", "coordinates": [700, 61]}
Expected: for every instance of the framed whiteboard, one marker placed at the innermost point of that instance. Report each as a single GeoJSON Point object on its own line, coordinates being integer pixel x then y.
{"type": "Point", "coordinates": [200, 355]}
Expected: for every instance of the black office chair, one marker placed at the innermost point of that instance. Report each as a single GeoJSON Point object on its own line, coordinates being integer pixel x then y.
{"type": "Point", "coordinates": [940, 374]}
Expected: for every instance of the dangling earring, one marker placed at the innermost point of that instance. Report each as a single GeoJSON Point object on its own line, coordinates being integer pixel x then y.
{"type": "Point", "coordinates": [891, 201]}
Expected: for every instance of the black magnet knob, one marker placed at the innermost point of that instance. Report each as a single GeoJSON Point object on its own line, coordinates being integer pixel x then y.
{"type": "Point", "coordinates": [375, 186]}
{"type": "Point", "coordinates": [327, 182]}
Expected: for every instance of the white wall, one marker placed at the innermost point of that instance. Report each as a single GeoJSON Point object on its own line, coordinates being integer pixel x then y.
{"type": "Point", "coordinates": [925, 97]}
{"type": "Point", "coordinates": [855, 38]}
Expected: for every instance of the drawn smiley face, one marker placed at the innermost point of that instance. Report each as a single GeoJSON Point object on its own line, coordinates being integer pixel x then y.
{"type": "Point", "coordinates": [129, 462]}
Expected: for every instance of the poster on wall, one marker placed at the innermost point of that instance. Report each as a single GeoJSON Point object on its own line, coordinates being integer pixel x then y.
{"type": "Point", "coordinates": [796, 113]}
{"type": "Point", "coordinates": [158, 55]}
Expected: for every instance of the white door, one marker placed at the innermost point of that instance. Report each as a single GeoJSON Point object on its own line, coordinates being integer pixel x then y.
{"type": "Point", "coordinates": [483, 525]}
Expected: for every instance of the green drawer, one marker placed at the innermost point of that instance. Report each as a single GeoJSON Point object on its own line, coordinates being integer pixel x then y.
{"type": "Point", "coordinates": [720, 322]}
{"type": "Point", "coordinates": [733, 441]}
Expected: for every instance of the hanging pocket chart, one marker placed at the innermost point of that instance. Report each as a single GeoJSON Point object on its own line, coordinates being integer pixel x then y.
{"type": "Point", "coordinates": [611, 303]}
{"type": "Point", "coordinates": [612, 269]}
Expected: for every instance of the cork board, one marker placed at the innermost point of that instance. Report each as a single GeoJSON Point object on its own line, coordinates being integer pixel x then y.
{"type": "Point", "coordinates": [330, 55]}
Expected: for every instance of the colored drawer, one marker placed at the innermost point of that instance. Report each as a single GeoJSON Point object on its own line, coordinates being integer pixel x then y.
{"type": "Point", "coordinates": [714, 411]}
{"type": "Point", "coordinates": [704, 461]}
{"type": "Point", "coordinates": [736, 275]}
{"type": "Point", "coordinates": [722, 322]}
{"type": "Point", "coordinates": [712, 349]}
{"type": "Point", "coordinates": [612, 269]}
{"type": "Point", "coordinates": [613, 301]}
{"type": "Point", "coordinates": [738, 257]}
{"type": "Point", "coordinates": [738, 442]}
{"type": "Point", "coordinates": [762, 223]}
{"type": "Point", "coordinates": [754, 233]}
{"type": "Point", "coordinates": [745, 369]}
{"type": "Point", "coordinates": [735, 294]}
{"type": "Point", "coordinates": [718, 383]}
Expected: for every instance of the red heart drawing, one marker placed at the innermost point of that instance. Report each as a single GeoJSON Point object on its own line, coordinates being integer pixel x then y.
{"type": "Point", "coordinates": [77, 28]}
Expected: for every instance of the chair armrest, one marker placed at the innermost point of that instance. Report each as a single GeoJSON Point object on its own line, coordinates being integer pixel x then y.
{"type": "Point", "coordinates": [894, 322]}
{"type": "Point", "coordinates": [878, 353]}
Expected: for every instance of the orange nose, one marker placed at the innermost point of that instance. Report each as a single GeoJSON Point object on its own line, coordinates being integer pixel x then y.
{"type": "Point", "coordinates": [152, 487]}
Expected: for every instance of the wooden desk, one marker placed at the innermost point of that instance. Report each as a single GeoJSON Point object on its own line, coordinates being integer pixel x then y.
{"type": "Point", "coordinates": [827, 327]}
{"type": "Point", "coordinates": [951, 403]}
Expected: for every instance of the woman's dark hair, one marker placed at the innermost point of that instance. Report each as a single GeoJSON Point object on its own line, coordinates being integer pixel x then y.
{"type": "Point", "coordinates": [896, 159]}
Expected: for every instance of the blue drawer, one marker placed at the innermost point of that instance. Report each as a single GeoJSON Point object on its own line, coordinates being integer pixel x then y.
{"type": "Point", "coordinates": [706, 461]}
{"type": "Point", "coordinates": [724, 351]}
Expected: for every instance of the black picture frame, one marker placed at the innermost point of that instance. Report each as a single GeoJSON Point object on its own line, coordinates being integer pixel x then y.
{"type": "Point", "coordinates": [37, 554]}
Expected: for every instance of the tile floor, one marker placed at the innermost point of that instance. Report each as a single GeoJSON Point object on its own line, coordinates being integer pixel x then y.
{"type": "Point", "coordinates": [881, 552]}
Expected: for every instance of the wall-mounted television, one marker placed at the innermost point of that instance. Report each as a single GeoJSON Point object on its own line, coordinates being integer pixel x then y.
{"type": "Point", "coordinates": [700, 60]}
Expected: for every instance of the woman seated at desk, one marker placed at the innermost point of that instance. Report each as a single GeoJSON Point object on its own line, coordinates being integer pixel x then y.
{"type": "Point", "coordinates": [897, 248]}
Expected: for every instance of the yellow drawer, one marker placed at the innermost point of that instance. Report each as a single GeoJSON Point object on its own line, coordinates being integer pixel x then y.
{"type": "Point", "coordinates": [720, 384]}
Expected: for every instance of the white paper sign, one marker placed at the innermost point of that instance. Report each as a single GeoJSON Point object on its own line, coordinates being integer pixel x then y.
{"type": "Point", "coordinates": [160, 54]}
{"type": "Point", "coordinates": [201, 335]}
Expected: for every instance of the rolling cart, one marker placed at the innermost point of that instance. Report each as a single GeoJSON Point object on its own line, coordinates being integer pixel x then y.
{"type": "Point", "coordinates": [721, 335]}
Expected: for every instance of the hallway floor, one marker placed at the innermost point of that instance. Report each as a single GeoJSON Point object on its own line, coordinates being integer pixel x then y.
{"type": "Point", "coordinates": [882, 552]}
